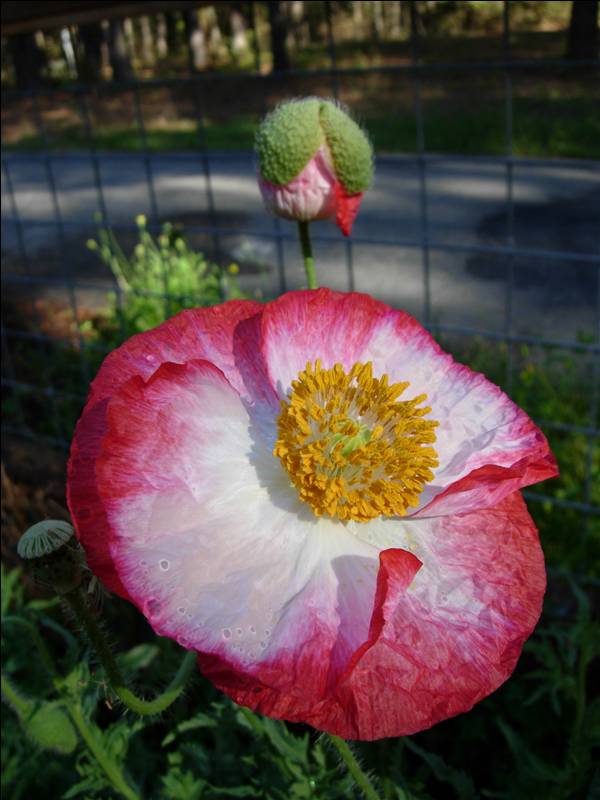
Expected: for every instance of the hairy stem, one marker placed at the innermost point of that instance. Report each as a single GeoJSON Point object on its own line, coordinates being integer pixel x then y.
{"type": "Point", "coordinates": [360, 778]}
{"type": "Point", "coordinates": [309, 262]}
{"type": "Point", "coordinates": [98, 640]}
{"type": "Point", "coordinates": [112, 771]}
{"type": "Point", "coordinates": [10, 695]}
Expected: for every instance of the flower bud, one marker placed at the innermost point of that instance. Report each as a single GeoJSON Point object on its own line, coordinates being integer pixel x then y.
{"type": "Point", "coordinates": [314, 162]}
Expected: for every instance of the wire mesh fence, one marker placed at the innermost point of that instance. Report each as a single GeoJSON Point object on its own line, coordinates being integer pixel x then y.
{"type": "Point", "coordinates": [508, 290]}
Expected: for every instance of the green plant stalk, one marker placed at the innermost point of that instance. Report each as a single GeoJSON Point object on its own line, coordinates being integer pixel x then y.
{"type": "Point", "coordinates": [360, 778]}
{"type": "Point", "coordinates": [10, 695]}
{"type": "Point", "coordinates": [95, 747]}
{"type": "Point", "coordinates": [309, 262]}
{"type": "Point", "coordinates": [98, 640]}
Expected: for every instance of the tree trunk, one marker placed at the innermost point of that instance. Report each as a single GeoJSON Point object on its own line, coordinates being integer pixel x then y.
{"type": "Point", "coordinates": [90, 52]}
{"type": "Point", "coordinates": [255, 41]}
{"type": "Point", "coordinates": [378, 20]}
{"type": "Point", "coordinates": [210, 24]}
{"type": "Point", "coordinates": [147, 41]}
{"type": "Point", "coordinates": [171, 23]}
{"type": "Point", "coordinates": [66, 43]}
{"type": "Point", "coordinates": [279, 31]}
{"type": "Point", "coordinates": [396, 20]}
{"type": "Point", "coordinates": [28, 60]}
{"type": "Point", "coordinates": [196, 40]}
{"type": "Point", "coordinates": [131, 39]}
{"type": "Point", "coordinates": [301, 36]}
{"type": "Point", "coordinates": [237, 23]}
{"type": "Point", "coordinates": [117, 48]}
{"type": "Point", "coordinates": [162, 47]}
{"type": "Point", "coordinates": [583, 30]}
{"type": "Point", "coordinates": [358, 19]}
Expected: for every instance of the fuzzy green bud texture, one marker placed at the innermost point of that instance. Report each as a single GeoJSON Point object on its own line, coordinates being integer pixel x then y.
{"type": "Point", "coordinates": [315, 162]}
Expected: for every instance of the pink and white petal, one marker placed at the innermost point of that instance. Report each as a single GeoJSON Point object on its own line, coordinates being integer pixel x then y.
{"type": "Point", "coordinates": [85, 505]}
{"type": "Point", "coordinates": [479, 426]}
{"type": "Point", "coordinates": [441, 637]}
{"type": "Point", "coordinates": [226, 334]}
{"type": "Point", "coordinates": [481, 435]}
{"type": "Point", "coordinates": [306, 325]}
{"type": "Point", "coordinates": [212, 543]}
{"type": "Point", "coordinates": [213, 334]}
{"type": "Point", "coordinates": [311, 195]}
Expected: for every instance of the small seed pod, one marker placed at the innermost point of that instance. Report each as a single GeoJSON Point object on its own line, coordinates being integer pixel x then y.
{"type": "Point", "coordinates": [44, 538]}
{"type": "Point", "coordinates": [59, 559]}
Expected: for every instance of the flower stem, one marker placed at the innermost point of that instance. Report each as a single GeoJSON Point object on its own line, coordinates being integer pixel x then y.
{"type": "Point", "coordinates": [360, 778]}
{"type": "Point", "coordinates": [11, 696]}
{"type": "Point", "coordinates": [112, 771]}
{"type": "Point", "coordinates": [309, 262]}
{"type": "Point", "coordinates": [116, 680]}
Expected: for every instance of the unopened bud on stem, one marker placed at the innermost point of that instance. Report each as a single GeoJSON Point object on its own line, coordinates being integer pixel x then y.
{"type": "Point", "coordinates": [315, 162]}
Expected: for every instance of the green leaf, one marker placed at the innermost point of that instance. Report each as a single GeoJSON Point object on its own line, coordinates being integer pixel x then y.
{"type": "Point", "coordinates": [138, 657]}
{"type": "Point", "coordinates": [525, 759]}
{"type": "Point", "coordinates": [459, 780]}
{"type": "Point", "coordinates": [51, 729]}
{"type": "Point", "coordinates": [10, 582]}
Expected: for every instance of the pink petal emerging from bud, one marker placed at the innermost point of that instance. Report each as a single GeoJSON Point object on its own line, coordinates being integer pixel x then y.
{"type": "Point", "coordinates": [314, 194]}
{"type": "Point", "coordinates": [309, 196]}
{"type": "Point", "coordinates": [347, 209]}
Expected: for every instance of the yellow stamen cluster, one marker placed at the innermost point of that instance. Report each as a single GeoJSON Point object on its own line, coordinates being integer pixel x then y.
{"type": "Point", "coordinates": [350, 447]}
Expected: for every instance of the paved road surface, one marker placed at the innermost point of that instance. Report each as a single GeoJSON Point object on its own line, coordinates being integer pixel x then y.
{"type": "Point", "coordinates": [557, 208]}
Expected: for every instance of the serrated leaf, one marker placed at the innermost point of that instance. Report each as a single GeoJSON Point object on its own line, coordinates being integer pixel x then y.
{"type": "Point", "coordinates": [286, 743]}
{"type": "Point", "coordinates": [458, 779]}
{"type": "Point", "coordinates": [9, 585]}
{"type": "Point", "coordinates": [86, 785]}
{"type": "Point", "coordinates": [179, 785]}
{"type": "Point", "coordinates": [233, 791]}
{"type": "Point", "coordinates": [200, 720]}
{"type": "Point", "coordinates": [538, 768]}
{"type": "Point", "coordinates": [138, 657]}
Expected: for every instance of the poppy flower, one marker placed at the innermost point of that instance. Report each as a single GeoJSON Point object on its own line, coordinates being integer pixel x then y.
{"type": "Point", "coordinates": [314, 162]}
{"type": "Point", "coordinates": [317, 499]}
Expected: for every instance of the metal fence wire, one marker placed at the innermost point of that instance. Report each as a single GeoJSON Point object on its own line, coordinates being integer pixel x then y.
{"type": "Point", "coordinates": [53, 174]}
